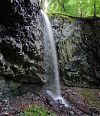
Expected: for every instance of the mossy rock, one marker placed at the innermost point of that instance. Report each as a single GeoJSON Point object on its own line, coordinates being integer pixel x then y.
{"type": "Point", "coordinates": [61, 15]}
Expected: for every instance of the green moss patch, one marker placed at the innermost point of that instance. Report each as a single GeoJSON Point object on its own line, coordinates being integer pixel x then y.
{"type": "Point", "coordinates": [37, 111]}
{"type": "Point", "coordinates": [91, 99]}
{"type": "Point", "coordinates": [62, 15]}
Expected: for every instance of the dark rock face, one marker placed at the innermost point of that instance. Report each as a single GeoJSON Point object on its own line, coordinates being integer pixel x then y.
{"type": "Point", "coordinates": [78, 45]}
{"type": "Point", "coordinates": [21, 41]}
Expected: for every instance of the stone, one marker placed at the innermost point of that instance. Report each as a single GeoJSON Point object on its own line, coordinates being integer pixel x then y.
{"type": "Point", "coordinates": [21, 41]}
{"type": "Point", "coordinates": [78, 50]}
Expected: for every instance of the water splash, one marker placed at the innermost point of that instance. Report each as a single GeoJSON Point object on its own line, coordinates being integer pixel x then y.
{"type": "Point", "coordinates": [54, 89]}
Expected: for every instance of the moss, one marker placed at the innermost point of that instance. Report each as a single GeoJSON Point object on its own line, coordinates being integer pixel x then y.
{"type": "Point", "coordinates": [90, 98]}
{"type": "Point", "coordinates": [62, 15]}
{"type": "Point", "coordinates": [37, 111]}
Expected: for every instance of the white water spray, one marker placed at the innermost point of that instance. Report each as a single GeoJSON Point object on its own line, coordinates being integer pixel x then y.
{"type": "Point", "coordinates": [54, 89]}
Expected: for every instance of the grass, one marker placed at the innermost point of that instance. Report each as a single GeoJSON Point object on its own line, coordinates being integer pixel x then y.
{"type": "Point", "coordinates": [37, 111]}
{"type": "Point", "coordinates": [90, 98]}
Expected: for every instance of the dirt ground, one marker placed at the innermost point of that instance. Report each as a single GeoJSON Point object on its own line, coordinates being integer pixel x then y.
{"type": "Point", "coordinates": [82, 101]}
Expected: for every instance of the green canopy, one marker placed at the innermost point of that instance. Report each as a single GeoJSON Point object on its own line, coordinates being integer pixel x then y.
{"type": "Point", "coordinates": [76, 8]}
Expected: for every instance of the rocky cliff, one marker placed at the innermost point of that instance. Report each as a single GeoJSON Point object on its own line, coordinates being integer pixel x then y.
{"type": "Point", "coordinates": [21, 45]}
{"type": "Point", "coordinates": [78, 45]}
{"type": "Point", "coordinates": [21, 41]}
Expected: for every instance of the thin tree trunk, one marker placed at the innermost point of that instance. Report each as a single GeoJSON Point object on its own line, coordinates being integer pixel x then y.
{"type": "Point", "coordinates": [81, 13]}
{"type": "Point", "coordinates": [61, 3]}
{"type": "Point", "coordinates": [94, 8]}
{"type": "Point", "coordinates": [63, 7]}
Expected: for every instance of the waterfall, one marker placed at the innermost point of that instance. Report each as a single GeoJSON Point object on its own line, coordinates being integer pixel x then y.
{"type": "Point", "coordinates": [51, 65]}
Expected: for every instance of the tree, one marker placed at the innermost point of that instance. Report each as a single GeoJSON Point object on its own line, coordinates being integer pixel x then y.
{"type": "Point", "coordinates": [77, 8]}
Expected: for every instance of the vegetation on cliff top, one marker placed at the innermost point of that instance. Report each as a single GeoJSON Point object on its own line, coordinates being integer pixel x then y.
{"type": "Point", "coordinates": [76, 8]}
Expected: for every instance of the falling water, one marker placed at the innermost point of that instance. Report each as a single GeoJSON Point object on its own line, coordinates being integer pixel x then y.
{"type": "Point", "coordinates": [54, 89]}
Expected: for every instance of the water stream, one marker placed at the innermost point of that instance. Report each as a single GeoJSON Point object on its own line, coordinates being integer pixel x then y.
{"type": "Point", "coordinates": [51, 65]}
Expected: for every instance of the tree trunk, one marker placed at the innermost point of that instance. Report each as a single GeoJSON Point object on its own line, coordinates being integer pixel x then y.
{"type": "Point", "coordinates": [94, 8]}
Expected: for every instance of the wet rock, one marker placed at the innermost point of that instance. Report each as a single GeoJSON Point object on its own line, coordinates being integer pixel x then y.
{"type": "Point", "coordinates": [21, 41]}
{"type": "Point", "coordinates": [51, 102]}
{"type": "Point", "coordinates": [78, 50]}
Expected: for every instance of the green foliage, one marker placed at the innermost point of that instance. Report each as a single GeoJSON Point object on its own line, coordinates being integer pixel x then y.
{"type": "Point", "coordinates": [77, 8]}
{"type": "Point", "coordinates": [37, 111]}
{"type": "Point", "coordinates": [98, 8]}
